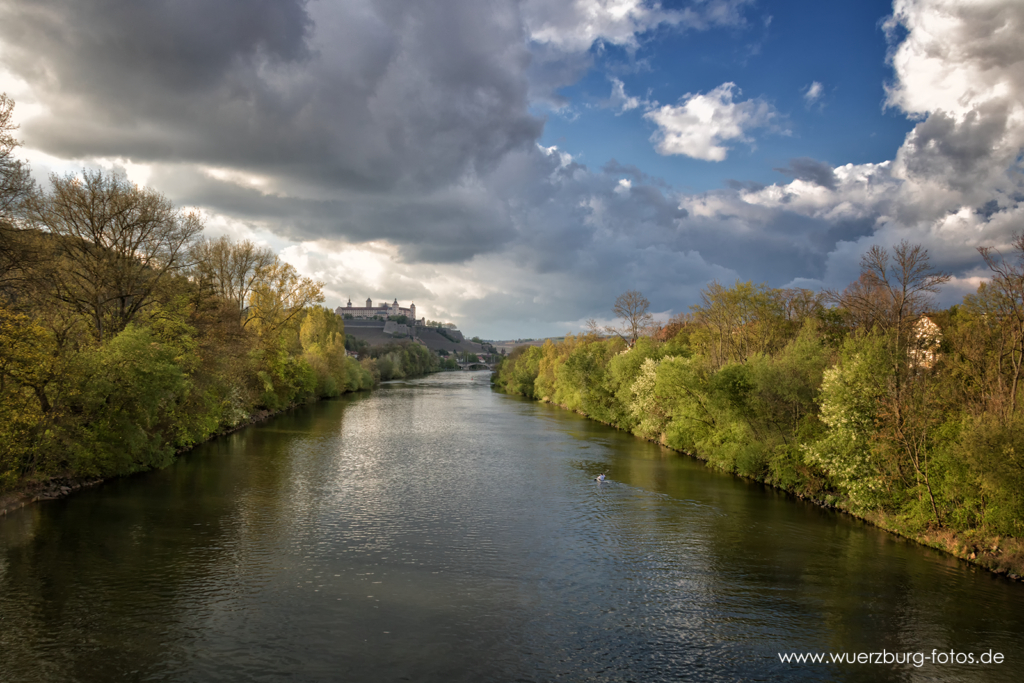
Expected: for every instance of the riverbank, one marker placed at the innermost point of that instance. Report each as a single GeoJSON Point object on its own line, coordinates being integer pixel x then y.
{"type": "Point", "coordinates": [53, 488]}
{"type": "Point", "coordinates": [502, 559]}
{"type": "Point", "coordinates": [826, 412]}
{"type": "Point", "coordinates": [1000, 555]}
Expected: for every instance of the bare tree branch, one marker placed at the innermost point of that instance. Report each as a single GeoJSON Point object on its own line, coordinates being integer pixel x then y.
{"type": "Point", "coordinates": [631, 308]}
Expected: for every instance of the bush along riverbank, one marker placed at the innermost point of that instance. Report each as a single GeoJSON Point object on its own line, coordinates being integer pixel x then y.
{"type": "Point", "coordinates": [135, 402]}
{"type": "Point", "coordinates": [911, 423]}
{"type": "Point", "coordinates": [127, 338]}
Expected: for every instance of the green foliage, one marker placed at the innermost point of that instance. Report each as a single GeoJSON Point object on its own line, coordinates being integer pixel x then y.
{"type": "Point", "coordinates": [134, 338]}
{"type": "Point", "coordinates": [356, 346]}
{"type": "Point", "coordinates": [850, 405]}
{"type": "Point", "coordinates": [25, 349]}
{"type": "Point", "coordinates": [126, 395]}
{"type": "Point", "coordinates": [993, 451]}
{"type": "Point", "coordinates": [184, 370]}
{"type": "Point", "coordinates": [519, 371]}
{"type": "Point", "coordinates": [403, 359]}
{"type": "Point", "coordinates": [647, 415]}
{"type": "Point", "coordinates": [735, 323]}
{"type": "Point", "coordinates": [586, 383]}
{"type": "Point", "coordinates": [770, 385]}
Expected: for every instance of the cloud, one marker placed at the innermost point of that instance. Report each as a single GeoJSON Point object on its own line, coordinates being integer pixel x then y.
{"type": "Point", "coordinates": [563, 35]}
{"type": "Point", "coordinates": [619, 100]}
{"type": "Point", "coordinates": [701, 124]}
{"type": "Point", "coordinates": [813, 93]}
{"type": "Point", "coordinates": [574, 26]}
{"type": "Point", "coordinates": [961, 70]}
{"type": "Point", "coordinates": [390, 149]}
{"type": "Point", "coordinates": [359, 94]}
{"type": "Point", "coordinates": [812, 171]}
{"type": "Point", "coordinates": [955, 55]}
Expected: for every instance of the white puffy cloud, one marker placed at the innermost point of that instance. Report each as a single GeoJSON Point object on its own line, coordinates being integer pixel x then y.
{"type": "Point", "coordinates": [699, 126]}
{"type": "Point", "coordinates": [957, 55]}
{"type": "Point", "coordinates": [961, 69]}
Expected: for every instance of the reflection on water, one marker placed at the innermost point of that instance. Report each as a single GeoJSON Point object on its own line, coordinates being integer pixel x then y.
{"type": "Point", "coordinates": [436, 531]}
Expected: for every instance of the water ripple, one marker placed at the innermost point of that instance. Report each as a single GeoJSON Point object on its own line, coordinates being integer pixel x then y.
{"type": "Point", "coordinates": [436, 531]}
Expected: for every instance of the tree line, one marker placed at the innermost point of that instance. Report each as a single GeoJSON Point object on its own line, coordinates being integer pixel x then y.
{"type": "Point", "coordinates": [868, 399]}
{"type": "Point", "coordinates": [126, 336]}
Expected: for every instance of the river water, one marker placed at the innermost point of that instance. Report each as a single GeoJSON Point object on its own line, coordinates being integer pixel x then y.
{"type": "Point", "coordinates": [437, 531]}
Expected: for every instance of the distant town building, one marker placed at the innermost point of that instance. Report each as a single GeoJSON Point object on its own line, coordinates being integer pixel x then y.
{"type": "Point", "coordinates": [384, 311]}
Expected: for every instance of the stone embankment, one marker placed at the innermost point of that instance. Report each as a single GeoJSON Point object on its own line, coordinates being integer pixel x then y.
{"type": "Point", "coordinates": [47, 490]}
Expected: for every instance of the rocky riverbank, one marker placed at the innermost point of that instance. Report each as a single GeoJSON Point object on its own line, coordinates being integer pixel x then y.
{"type": "Point", "coordinates": [51, 489]}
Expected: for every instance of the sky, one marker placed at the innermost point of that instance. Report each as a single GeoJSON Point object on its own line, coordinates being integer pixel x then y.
{"type": "Point", "coordinates": [514, 165]}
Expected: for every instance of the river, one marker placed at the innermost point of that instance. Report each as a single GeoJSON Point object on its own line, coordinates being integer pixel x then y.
{"type": "Point", "coordinates": [435, 530]}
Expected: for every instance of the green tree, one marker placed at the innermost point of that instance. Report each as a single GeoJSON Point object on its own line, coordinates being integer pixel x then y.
{"type": "Point", "coordinates": [322, 335]}
{"type": "Point", "coordinates": [124, 399]}
{"type": "Point", "coordinates": [279, 295]}
{"type": "Point", "coordinates": [851, 397]}
{"type": "Point", "coordinates": [24, 406]}
{"type": "Point", "coordinates": [117, 243]}
{"type": "Point", "coordinates": [733, 323]}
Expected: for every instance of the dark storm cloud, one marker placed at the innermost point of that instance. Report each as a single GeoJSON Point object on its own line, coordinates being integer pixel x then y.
{"type": "Point", "coordinates": [355, 95]}
{"type": "Point", "coordinates": [843, 230]}
{"type": "Point", "coordinates": [453, 225]}
{"type": "Point", "coordinates": [99, 48]}
{"type": "Point", "coordinates": [812, 171]}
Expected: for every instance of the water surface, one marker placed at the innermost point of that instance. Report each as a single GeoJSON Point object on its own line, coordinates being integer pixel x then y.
{"type": "Point", "coordinates": [438, 531]}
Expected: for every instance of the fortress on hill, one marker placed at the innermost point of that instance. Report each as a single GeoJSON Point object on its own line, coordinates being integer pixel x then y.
{"type": "Point", "coordinates": [384, 311]}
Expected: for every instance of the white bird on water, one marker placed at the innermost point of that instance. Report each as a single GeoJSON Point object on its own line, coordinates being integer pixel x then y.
{"type": "Point", "coordinates": [599, 477]}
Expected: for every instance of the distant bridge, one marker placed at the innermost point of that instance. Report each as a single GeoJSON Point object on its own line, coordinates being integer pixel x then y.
{"type": "Point", "coordinates": [475, 365]}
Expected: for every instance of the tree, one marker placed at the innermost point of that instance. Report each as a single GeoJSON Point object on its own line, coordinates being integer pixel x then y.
{"type": "Point", "coordinates": [231, 269]}
{"type": "Point", "coordinates": [15, 183]}
{"type": "Point", "coordinates": [733, 323]}
{"type": "Point", "coordinates": [893, 295]}
{"type": "Point", "coordinates": [631, 309]}
{"type": "Point", "coordinates": [16, 187]}
{"type": "Point", "coordinates": [1008, 285]}
{"type": "Point", "coordinates": [24, 373]}
{"type": "Point", "coordinates": [116, 242]}
{"type": "Point", "coordinates": [278, 296]}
